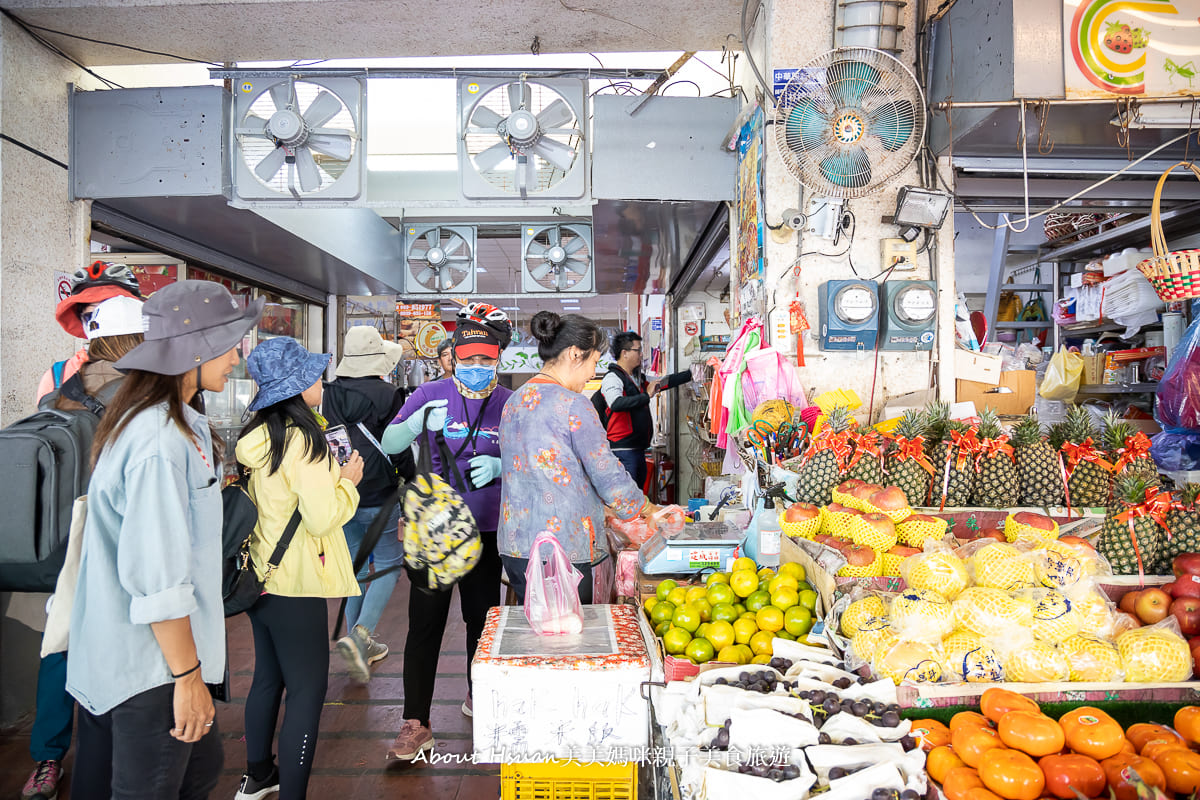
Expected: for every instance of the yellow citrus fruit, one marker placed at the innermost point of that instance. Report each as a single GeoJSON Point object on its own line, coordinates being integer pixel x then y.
{"type": "Point", "coordinates": [870, 606]}
{"type": "Point", "coordinates": [661, 628]}
{"type": "Point", "coordinates": [1154, 655]}
{"type": "Point", "coordinates": [939, 571]}
{"type": "Point", "coordinates": [664, 588]}
{"type": "Point", "coordinates": [662, 612]}
{"type": "Point", "coordinates": [793, 569]}
{"type": "Point", "coordinates": [769, 618]}
{"type": "Point", "coordinates": [720, 593]}
{"type": "Point", "coordinates": [729, 654]}
{"type": "Point", "coordinates": [1037, 662]}
{"type": "Point", "coordinates": [723, 612]}
{"type": "Point", "coordinates": [717, 577]}
{"type": "Point", "coordinates": [695, 591]}
{"type": "Point", "coordinates": [720, 634]}
{"type": "Point", "coordinates": [1093, 659]}
{"type": "Point", "coordinates": [783, 582]}
{"type": "Point", "coordinates": [766, 573]}
{"type": "Point", "coordinates": [785, 599]}
{"type": "Point", "coordinates": [760, 643]}
{"type": "Point", "coordinates": [808, 599]}
{"type": "Point", "coordinates": [743, 582]}
{"type": "Point", "coordinates": [675, 640]}
{"type": "Point", "coordinates": [740, 608]}
{"type": "Point", "coordinates": [783, 634]}
{"type": "Point", "coordinates": [650, 603]}
{"type": "Point", "coordinates": [678, 595]}
{"type": "Point", "coordinates": [918, 662]}
{"type": "Point", "coordinates": [765, 658]}
{"type": "Point", "coordinates": [757, 600]}
{"type": "Point", "coordinates": [745, 563]}
{"type": "Point", "coordinates": [750, 615]}
{"type": "Point", "coordinates": [746, 652]}
{"type": "Point", "coordinates": [743, 629]}
{"type": "Point", "coordinates": [797, 621]}
{"type": "Point", "coordinates": [701, 631]}
{"type": "Point", "coordinates": [699, 651]}
{"type": "Point", "coordinates": [702, 605]}
{"type": "Point", "coordinates": [686, 617]}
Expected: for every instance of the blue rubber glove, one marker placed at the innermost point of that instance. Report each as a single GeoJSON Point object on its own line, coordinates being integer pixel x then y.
{"type": "Point", "coordinates": [484, 470]}
{"type": "Point", "coordinates": [399, 436]}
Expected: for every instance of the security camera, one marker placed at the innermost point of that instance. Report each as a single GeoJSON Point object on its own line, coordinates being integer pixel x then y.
{"type": "Point", "coordinates": [794, 219]}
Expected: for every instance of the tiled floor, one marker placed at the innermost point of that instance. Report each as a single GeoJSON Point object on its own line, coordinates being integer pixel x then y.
{"type": "Point", "coordinates": [357, 726]}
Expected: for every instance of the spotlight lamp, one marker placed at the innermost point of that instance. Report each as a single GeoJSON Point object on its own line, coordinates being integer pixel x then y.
{"type": "Point", "coordinates": [919, 208]}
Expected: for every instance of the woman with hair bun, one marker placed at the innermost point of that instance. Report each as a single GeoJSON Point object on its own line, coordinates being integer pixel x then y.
{"type": "Point", "coordinates": [559, 472]}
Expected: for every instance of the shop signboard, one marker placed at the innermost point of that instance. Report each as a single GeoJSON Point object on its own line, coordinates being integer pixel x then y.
{"type": "Point", "coordinates": [524, 359]}
{"type": "Point", "coordinates": [1147, 48]}
{"type": "Point", "coordinates": [419, 310]}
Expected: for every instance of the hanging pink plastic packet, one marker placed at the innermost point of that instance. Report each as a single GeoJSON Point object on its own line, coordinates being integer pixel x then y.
{"type": "Point", "coordinates": [552, 590]}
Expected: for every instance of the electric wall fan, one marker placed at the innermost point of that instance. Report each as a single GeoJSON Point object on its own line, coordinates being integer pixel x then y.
{"type": "Point", "coordinates": [849, 121]}
{"type": "Point", "coordinates": [299, 138]}
{"type": "Point", "coordinates": [557, 258]}
{"type": "Point", "coordinates": [522, 139]}
{"type": "Point", "coordinates": [439, 258]}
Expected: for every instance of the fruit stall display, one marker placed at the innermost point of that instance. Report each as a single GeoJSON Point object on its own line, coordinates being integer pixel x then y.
{"type": "Point", "coordinates": [1009, 748]}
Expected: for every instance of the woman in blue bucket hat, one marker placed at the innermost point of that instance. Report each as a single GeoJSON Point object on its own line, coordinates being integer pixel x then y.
{"type": "Point", "coordinates": [291, 468]}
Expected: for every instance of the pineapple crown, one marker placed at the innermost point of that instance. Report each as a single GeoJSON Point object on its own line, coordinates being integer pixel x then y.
{"type": "Point", "coordinates": [839, 419]}
{"type": "Point", "coordinates": [1130, 489]}
{"type": "Point", "coordinates": [1027, 432]}
{"type": "Point", "coordinates": [989, 424]}
{"type": "Point", "coordinates": [1079, 425]}
{"type": "Point", "coordinates": [1188, 495]}
{"type": "Point", "coordinates": [912, 425]}
{"type": "Point", "coordinates": [937, 419]}
{"type": "Point", "coordinates": [1057, 435]}
{"type": "Point", "coordinates": [1116, 432]}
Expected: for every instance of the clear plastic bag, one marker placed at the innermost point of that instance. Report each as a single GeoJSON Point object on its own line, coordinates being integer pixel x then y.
{"type": "Point", "coordinates": [552, 590]}
{"type": "Point", "coordinates": [1062, 376]}
{"type": "Point", "coordinates": [1177, 408]}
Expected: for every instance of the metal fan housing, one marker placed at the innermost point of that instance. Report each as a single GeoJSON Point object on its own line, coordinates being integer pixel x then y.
{"type": "Point", "coordinates": [439, 258]}
{"type": "Point", "coordinates": [557, 258]}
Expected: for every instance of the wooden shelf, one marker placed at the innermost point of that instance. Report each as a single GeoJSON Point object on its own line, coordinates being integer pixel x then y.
{"type": "Point", "coordinates": [1133, 388]}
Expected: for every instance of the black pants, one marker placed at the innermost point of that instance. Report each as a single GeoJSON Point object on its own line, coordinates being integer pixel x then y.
{"type": "Point", "coordinates": [515, 567]}
{"type": "Point", "coordinates": [291, 651]}
{"type": "Point", "coordinates": [147, 763]}
{"type": "Point", "coordinates": [428, 611]}
{"type": "Point", "coordinates": [634, 462]}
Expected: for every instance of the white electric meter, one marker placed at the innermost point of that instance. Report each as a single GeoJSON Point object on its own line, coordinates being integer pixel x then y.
{"type": "Point", "coordinates": [910, 315]}
{"type": "Point", "coordinates": [849, 315]}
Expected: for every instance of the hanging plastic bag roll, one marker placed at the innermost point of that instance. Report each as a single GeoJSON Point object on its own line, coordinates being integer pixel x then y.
{"type": "Point", "coordinates": [1062, 376]}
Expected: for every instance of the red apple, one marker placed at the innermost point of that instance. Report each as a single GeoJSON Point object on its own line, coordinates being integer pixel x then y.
{"type": "Point", "coordinates": [1184, 586]}
{"type": "Point", "coordinates": [1186, 564]}
{"type": "Point", "coordinates": [801, 512]}
{"type": "Point", "coordinates": [823, 538]}
{"type": "Point", "coordinates": [904, 551]}
{"type": "Point", "coordinates": [890, 498]}
{"type": "Point", "coordinates": [921, 518]}
{"type": "Point", "coordinates": [1152, 605]}
{"type": "Point", "coordinates": [1124, 622]}
{"type": "Point", "coordinates": [1187, 611]}
{"type": "Point", "coordinates": [1127, 600]}
{"type": "Point", "coordinates": [994, 535]}
{"type": "Point", "coordinates": [1039, 521]}
{"type": "Point", "coordinates": [1078, 541]}
{"type": "Point", "coordinates": [858, 556]}
{"type": "Point", "coordinates": [1196, 660]}
{"type": "Point", "coordinates": [833, 508]}
{"type": "Point", "coordinates": [864, 491]}
{"type": "Point", "coordinates": [848, 486]}
{"type": "Point", "coordinates": [880, 522]}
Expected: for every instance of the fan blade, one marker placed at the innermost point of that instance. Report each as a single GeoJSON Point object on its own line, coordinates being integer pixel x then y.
{"type": "Point", "coordinates": [253, 125]}
{"type": "Point", "coordinates": [527, 179]}
{"type": "Point", "coordinates": [281, 95]}
{"type": "Point", "coordinates": [484, 117]}
{"type": "Point", "coordinates": [310, 173]}
{"type": "Point", "coordinates": [446, 280]}
{"type": "Point", "coordinates": [339, 147]}
{"type": "Point", "coordinates": [455, 242]}
{"type": "Point", "coordinates": [555, 236]}
{"type": "Point", "coordinates": [433, 237]}
{"type": "Point", "coordinates": [556, 114]}
{"type": "Point", "coordinates": [850, 80]}
{"type": "Point", "coordinates": [269, 166]}
{"type": "Point", "coordinates": [541, 270]}
{"type": "Point", "coordinates": [573, 246]}
{"type": "Point", "coordinates": [561, 280]}
{"type": "Point", "coordinates": [806, 126]}
{"type": "Point", "coordinates": [557, 153]}
{"type": "Point", "coordinates": [493, 157]}
{"type": "Point", "coordinates": [518, 96]}
{"type": "Point", "coordinates": [576, 266]}
{"type": "Point", "coordinates": [425, 275]}
{"type": "Point", "coordinates": [848, 169]}
{"type": "Point", "coordinates": [323, 109]}
{"type": "Point", "coordinates": [535, 249]}
{"type": "Point", "coordinates": [893, 123]}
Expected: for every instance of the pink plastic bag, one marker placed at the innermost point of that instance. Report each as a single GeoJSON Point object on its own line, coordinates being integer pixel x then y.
{"type": "Point", "coordinates": [552, 590]}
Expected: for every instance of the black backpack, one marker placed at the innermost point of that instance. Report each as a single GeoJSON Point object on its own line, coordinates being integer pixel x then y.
{"type": "Point", "coordinates": [45, 463]}
{"type": "Point", "coordinates": [601, 406]}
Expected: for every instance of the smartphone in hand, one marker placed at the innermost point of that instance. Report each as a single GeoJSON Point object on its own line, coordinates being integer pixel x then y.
{"type": "Point", "coordinates": [339, 443]}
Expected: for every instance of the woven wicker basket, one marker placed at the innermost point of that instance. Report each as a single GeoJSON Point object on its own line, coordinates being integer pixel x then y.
{"type": "Point", "coordinates": [1175, 275]}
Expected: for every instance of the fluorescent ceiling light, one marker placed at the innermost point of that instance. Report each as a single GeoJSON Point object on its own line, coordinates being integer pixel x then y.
{"type": "Point", "coordinates": [1159, 115]}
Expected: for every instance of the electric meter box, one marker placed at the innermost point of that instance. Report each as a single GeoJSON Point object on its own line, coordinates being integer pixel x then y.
{"type": "Point", "coordinates": [849, 315]}
{"type": "Point", "coordinates": [909, 318]}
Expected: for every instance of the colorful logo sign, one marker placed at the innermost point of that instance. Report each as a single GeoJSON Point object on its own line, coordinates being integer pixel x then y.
{"type": "Point", "coordinates": [1131, 47]}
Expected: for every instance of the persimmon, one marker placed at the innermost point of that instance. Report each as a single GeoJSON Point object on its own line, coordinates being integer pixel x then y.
{"type": "Point", "coordinates": [1181, 767]}
{"type": "Point", "coordinates": [1127, 747]}
{"type": "Point", "coordinates": [980, 793]}
{"type": "Point", "coordinates": [1092, 732]}
{"type": "Point", "coordinates": [1142, 732]}
{"type": "Point", "coordinates": [959, 781]}
{"type": "Point", "coordinates": [972, 741]}
{"type": "Point", "coordinates": [930, 733]}
{"type": "Point", "coordinates": [1066, 773]}
{"type": "Point", "coordinates": [1011, 774]}
{"type": "Point", "coordinates": [1187, 722]}
{"type": "Point", "coordinates": [940, 761]}
{"type": "Point", "coordinates": [969, 718]}
{"type": "Point", "coordinates": [1120, 769]}
{"type": "Point", "coordinates": [1158, 746]}
{"type": "Point", "coordinates": [996, 702]}
{"type": "Point", "coordinates": [1031, 732]}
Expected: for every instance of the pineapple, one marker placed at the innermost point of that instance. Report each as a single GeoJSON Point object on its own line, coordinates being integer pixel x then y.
{"type": "Point", "coordinates": [822, 468]}
{"type": "Point", "coordinates": [1087, 481]}
{"type": "Point", "coordinates": [937, 423]}
{"type": "Point", "coordinates": [1038, 474]}
{"type": "Point", "coordinates": [961, 466]}
{"type": "Point", "coordinates": [1183, 521]}
{"type": "Point", "coordinates": [997, 486]}
{"type": "Point", "coordinates": [1130, 555]}
{"type": "Point", "coordinates": [869, 466]}
{"type": "Point", "coordinates": [1118, 440]}
{"type": "Point", "coordinates": [907, 473]}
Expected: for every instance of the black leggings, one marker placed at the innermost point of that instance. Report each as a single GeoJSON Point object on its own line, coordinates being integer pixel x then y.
{"type": "Point", "coordinates": [428, 611]}
{"type": "Point", "coordinates": [291, 651]}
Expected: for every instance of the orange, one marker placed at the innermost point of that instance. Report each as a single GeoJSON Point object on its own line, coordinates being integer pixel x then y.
{"type": "Point", "coordinates": [743, 629]}
{"type": "Point", "coordinates": [797, 620]}
{"type": "Point", "coordinates": [717, 577]}
{"type": "Point", "coordinates": [694, 592]}
{"type": "Point", "coordinates": [662, 612]}
{"type": "Point", "coordinates": [743, 582]}
{"type": "Point", "coordinates": [664, 588]}
{"type": "Point", "coordinates": [785, 598]}
{"type": "Point", "coordinates": [783, 582]}
{"type": "Point", "coordinates": [745, 563]}
{"type": "Point", "coordinates": [769, 618]}
{"type": "Point", "coordinates": [757, 600]}
{"type": "Point", "coordinates": [686, 617]}
{"type": "Point", "coordinates": [675, 640]}
{"type": "Point", "coordinates": [699, 651]}
{"type": "Point", "coordinates": [730, 655]}
{"type": "Point", "coordinates": [720, 593]}
{"type": "Point", "coordinates": [703, 607]}
{"type": "Point", "coordinates": [760, 643]}
{"type": "Point", "coordinates": [723, 612]}
{"type": "Point", "coordinates": [792, 569]}
{"type": "Point", "coordinates": [678, 595]}
{"type": "Point", "coordinates": [720, 634]}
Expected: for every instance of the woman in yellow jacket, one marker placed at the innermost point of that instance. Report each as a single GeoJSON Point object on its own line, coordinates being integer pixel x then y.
{"type": "Point", "coordinates": [291, 468]}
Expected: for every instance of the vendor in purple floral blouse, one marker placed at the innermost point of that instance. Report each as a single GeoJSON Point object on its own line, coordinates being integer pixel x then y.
{"type": "Point", "coordinates": [557, 470]}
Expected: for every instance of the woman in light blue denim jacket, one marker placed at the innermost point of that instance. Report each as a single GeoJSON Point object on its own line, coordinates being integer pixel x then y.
{"type": "Point", "coordinates": [148, 626]}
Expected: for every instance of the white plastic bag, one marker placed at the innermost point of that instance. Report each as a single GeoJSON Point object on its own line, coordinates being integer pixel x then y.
{"type": "Point", "coordinates": [552, 590]}
{"type": "Point", "coordinates": [1062, 376]}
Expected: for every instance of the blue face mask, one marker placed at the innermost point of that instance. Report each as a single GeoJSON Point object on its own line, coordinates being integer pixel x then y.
{"type": "Point", "coordinates": [475, 378]}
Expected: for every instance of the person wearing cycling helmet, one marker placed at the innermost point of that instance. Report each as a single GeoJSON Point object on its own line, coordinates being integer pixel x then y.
{"type": "Point", "coordinates": [466, 407]}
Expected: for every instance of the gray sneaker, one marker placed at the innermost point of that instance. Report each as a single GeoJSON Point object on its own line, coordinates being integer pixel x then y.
{"type": "Point", "coordinates": [353, 648]}
{"type": "Point", "coordinates": [376, 651]}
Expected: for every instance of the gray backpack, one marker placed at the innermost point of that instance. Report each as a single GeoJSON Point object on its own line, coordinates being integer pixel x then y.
{"type": "Point", "coordinates": [45, 463]}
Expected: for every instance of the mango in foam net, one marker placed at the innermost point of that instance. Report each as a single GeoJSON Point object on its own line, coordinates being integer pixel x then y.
{"type": "Point", "coordinates": [986, 611]}
{"type": "Point", "coordinates": [859, 611]}
{"type": "Point", "coordinates": [922, 615]}
{"type": "Point", "coordinates": [939, 571]}
{"type": "Point", "coordinates": [918, 662]}
{"type": "Point", "coordinates": [1154, 655]}
{"type": "Point", "coordinates": [1035, 661]}
{"type": "Point", "coordinates": [1058, 566]}
{"type": "Point", "coordinates": [966, 657]}
{"type": "Point", "coordinates": [1054, 617]}
{"type": "Point", "coordinates": [1091, 658]}
{"type": "Point", "coordinates": [1002, 566]}
{"type": "Point", "coordinates": [1095, 613]}
{"type": "Point", "coordinates": [873, 634]}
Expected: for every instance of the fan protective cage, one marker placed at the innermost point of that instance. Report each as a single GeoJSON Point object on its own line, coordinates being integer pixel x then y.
{"type": "Point", "coordinates": [557, 258]}
{"type": "Point", "coordinates": [850, 121]}
{"type": "Point", "coordinates": [557, 161]}
{"type": "Point", "coordinates": [257, 100]}
{"type": "Point", "coordinates": [454, 270]}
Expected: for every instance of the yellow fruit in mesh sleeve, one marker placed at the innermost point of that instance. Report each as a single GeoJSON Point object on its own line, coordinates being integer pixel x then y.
{"type": "Point", "coordinates": [892, 563]}
{"type": "Point", "coordinates": [896, 515]}
{"type": "Point", "coordinates": [966, 657]}
{"type": "Point", "coordinates": [987, 611]}
{"type": "Point", "coordinates": [842, 498]}
{"type": "Point", "coordinates": [916, 532]}
{"type": "Point", "coordinates": [1002, 566]}
{"type": "Point", "coordinates": [873, 634]}
{"type": "Point", "coordinates": [918, 662]}
{"type": "Point", "coordinates": [860, 610]}
{"type": "Point", "coordinates": [1154, 655]}
{"type": "Point", "coordinates": [1095, 612]}
{"type": "Point", "coordinates": [801, 530]}
{"type": "Point", "coordinates": [878, 535]}
{"type": "Point", "coordinates": [1093, 659]}
{"type": "Point", "coordinates": [1016, 531]}
{"type": "Point", "coordinates": [1035, 661]}
{"type": "Point", "coordinates": [1054, 616]}
{"type": "Point", "coordinates": [1057, 567]}
{"type": "Point", "coordinates": [838, 524]}
{"type": "Point", "coordinates": [938, 571]}
{"type": "Point", "coordinates": [922, 615]}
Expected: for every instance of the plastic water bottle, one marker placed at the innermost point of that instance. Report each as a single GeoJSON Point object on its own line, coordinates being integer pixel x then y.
{"type": "Point", "coordinates": [769, 537]}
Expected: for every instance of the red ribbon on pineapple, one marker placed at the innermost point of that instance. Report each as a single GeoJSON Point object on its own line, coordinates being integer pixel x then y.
{"type": "Point", "coordinates": [1086, 451]}
{"type": "Point", "coordinates": [837, 442]}
{"type": "Point", "coordinates": [1156, 505]}
{"type": "Point", "coordinates": [968, 447]}
{"type": "Point", "coordinates": [1136, 446]}
{"type": "Point", "coordinates": [914, 449]}
{"type": "Point", "coordinates": [989, 448]}
{"type": "Point", "coordinates": [864, 443]}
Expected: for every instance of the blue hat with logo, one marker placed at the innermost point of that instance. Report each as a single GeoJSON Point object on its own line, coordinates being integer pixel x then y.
{"type": "Point", "coordinates": [282, 368]}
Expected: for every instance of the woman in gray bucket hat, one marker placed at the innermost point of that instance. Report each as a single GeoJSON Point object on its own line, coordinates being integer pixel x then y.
{"type": "Point", "coordinates": [148, 625]}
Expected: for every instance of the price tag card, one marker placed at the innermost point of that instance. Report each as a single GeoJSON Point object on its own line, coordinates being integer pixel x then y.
{"type": "Point", "coordinates": [701, 558]}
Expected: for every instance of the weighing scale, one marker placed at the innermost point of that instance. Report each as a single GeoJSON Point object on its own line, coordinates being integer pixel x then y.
{"type": "Point", "coordinates": [849, 315]}
{"type": "Point", "coordinates": [699, 546]}
{"type": "Point", "coordinates": [909, 315]}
